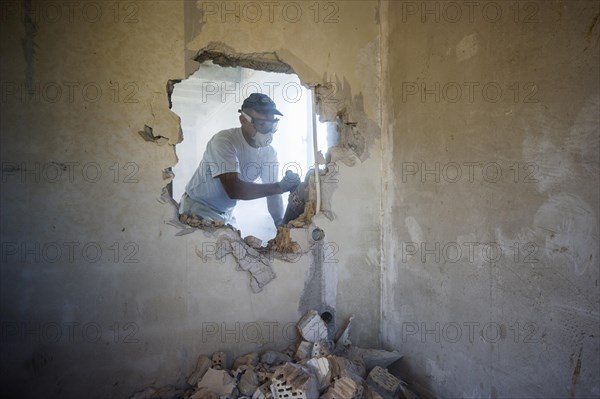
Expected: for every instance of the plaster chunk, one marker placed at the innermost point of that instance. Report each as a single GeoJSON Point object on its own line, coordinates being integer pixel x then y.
{"type": "Point", "coordinates": [198, 222]}
{"type": "Point", "coordinates": [165, 122]}
{"type": "Point", "coordinates": [247, 258]}
{"type": "Point", "coordinates": [253, 242]}
{"type": "Point", "coordinates": [312, 328]}
{"type": "Point", "coordinates": [218, 381]}
{"type": "Point", "coordinates": [283, 242]}
{"type": "Point", "coordinates": [248, 382]}
{"type": "Point", "coordinates": [202, 365]}
{"type": "Point", "coordinates": [343, 342]}
{"type": "Point", "coordinates": [251, 359]}
{"type": "Point", "coordinates": [274, 358]}
{"type": "Point", "coordinates": [253, 262]}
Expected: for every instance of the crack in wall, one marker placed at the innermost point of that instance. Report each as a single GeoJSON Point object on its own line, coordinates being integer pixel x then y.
{"type": "Point", "coordinates": [225, 56]}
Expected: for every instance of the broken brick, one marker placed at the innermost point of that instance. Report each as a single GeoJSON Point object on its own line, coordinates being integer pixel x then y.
{"type": "Point", "coordinates": [304, 350]}
{"type": "Point", "coordinates": [321, 368]}
{"type": "Point", "coordinates": [292, 381]}
{"type": "Point", "coordinates": [342, 367]}
{"type": "Point", "coordinates": [218, 360]}
{"type": "Point", "coordinates": [344, 388]}
{"type": "Point", "coordinates": [384, 383]}
{"type": "Point", "coordinates": [312, 327]}
{"type": "Point", "coordinates": [339, 376]}
{"type": "Point", "coordinates": [319, 349]}
{"type": "Point", "coordinates": [263, 392]}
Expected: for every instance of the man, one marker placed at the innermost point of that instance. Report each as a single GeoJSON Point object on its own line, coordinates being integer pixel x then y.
{"type": "Point", "coordinates": [233, 160]}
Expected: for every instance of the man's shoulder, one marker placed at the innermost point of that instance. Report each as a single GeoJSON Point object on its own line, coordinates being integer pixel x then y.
{"type": "Point", "coordinates": [270, 151]}
{"type": "Point", "coordinates": [234, 132]}
{"type": "Point", "coordinates": [228, 135]}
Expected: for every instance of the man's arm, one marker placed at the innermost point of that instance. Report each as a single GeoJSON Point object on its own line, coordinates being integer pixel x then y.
{"type": "Point", "coordinates": [242, 190]}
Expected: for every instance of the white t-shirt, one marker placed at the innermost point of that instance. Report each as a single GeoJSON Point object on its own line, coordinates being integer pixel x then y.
{"type": "Point", "coordinates": [228, 151]}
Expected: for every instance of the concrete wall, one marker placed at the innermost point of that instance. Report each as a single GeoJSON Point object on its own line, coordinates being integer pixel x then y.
{"type": "Point", "coordinates": [99, 298]}
{"type": "Point", "coordinates": [511, 101]}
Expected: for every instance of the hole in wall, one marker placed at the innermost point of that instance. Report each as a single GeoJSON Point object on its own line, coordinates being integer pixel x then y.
{"type": "Point", "coordinates": [208, 102]}
{"type": "Point", "coordinates": [326, 317]}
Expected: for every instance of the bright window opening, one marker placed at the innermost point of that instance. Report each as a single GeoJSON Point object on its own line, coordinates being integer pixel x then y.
{"type": "Point", "coordinates": [208, 102]}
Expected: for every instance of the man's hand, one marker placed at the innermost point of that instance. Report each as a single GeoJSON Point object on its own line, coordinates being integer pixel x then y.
{"type": "Point", "coordinates": [289, 182]}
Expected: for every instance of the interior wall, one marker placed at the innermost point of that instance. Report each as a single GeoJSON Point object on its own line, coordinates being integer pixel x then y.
{"type": "Point", "coordinates": [334, 45]}
{"type": "Point", "coordinates": [491, 284]}
{"type": "Point", "coordinates": [99, 297]}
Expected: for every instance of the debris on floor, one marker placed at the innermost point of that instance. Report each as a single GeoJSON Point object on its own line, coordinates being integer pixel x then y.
{"type": "Point", "coordinates": [313, 368]}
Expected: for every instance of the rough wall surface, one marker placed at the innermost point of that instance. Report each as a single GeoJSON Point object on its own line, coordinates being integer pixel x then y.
{"type": "Point", "coordinates": [490, 207]}
{"type": "Point", "coordinates": [99, 298]}
{"type": "Point", "coordinates": [335, 45]}
{"type": "Point", "coordinates": [491, 284]}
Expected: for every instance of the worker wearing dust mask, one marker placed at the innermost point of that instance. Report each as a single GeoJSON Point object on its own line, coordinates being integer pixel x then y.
{"type": "Point", "coordinates": [234, 160]}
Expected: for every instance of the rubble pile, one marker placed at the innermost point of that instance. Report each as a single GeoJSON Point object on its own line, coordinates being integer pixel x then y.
{"type": "Point", "coordinates": [314, 368]}
{"type": "Point", "coordinates": [195, 221]}
{"type": "Point", "coordinates": [283, 242]}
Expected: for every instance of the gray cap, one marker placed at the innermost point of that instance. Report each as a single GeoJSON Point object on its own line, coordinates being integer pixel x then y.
{"type": "Point", "coordinates": [261, 103]}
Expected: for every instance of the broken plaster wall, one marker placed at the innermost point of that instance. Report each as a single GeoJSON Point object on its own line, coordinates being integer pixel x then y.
{"type": "Point", "coordinates": [99, 298]}
{"type": "Point", "coordinates": [523, 322]}
{"type": "Point", "coordinates": [318, 50]}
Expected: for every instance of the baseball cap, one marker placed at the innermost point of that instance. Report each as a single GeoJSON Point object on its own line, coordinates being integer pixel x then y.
{"type": "Point", "coordinates": [260, 103]}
